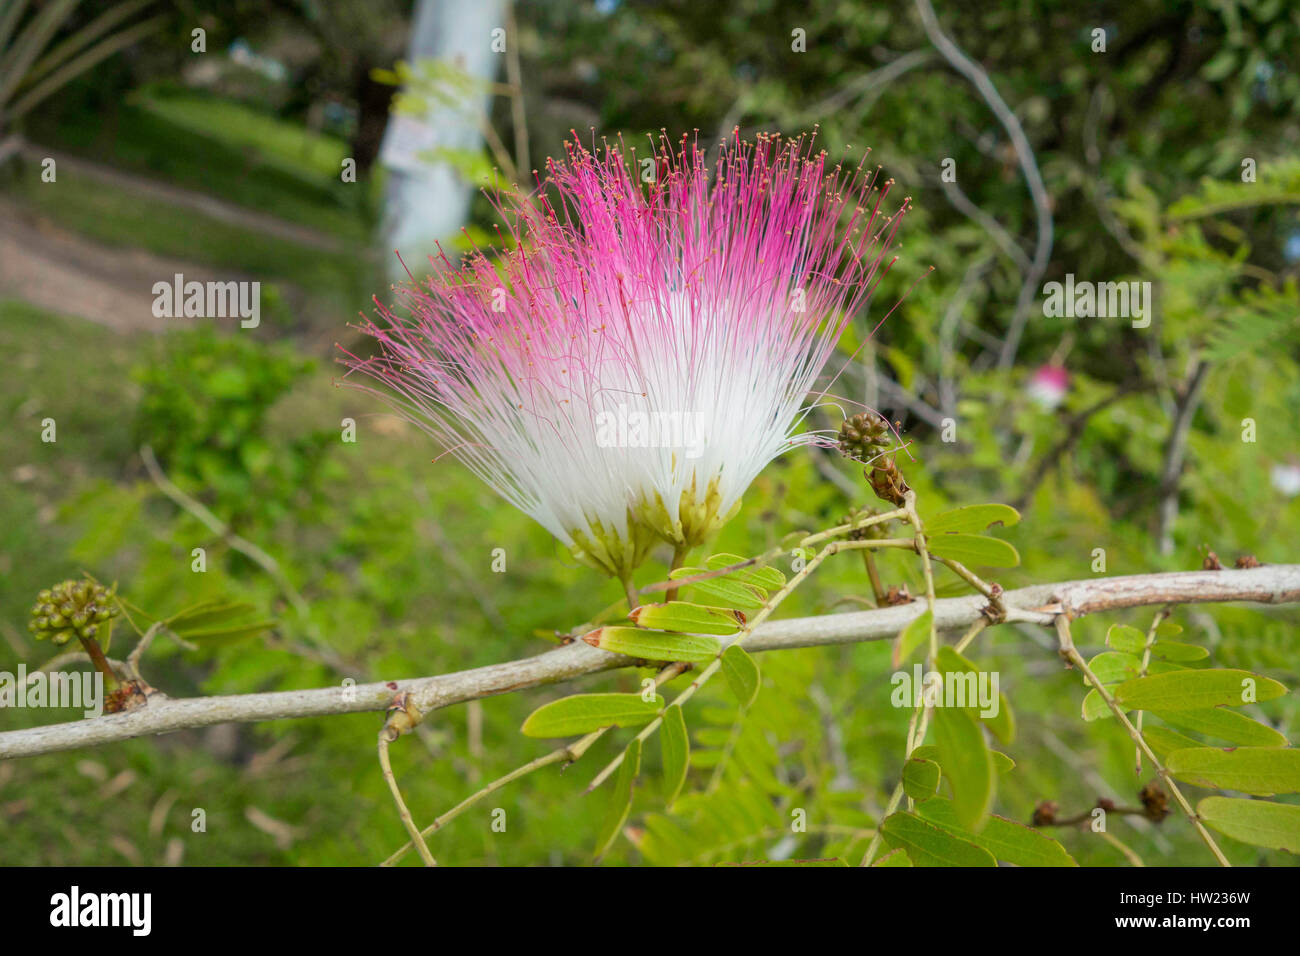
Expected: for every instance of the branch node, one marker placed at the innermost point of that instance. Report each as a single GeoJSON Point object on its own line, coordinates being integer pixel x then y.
{"type": "Point", "coordinates": [403, 716]}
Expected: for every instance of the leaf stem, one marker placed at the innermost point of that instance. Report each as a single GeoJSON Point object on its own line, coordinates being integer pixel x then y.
{"type": "Point", "coordinates": [1071, 654]}
{"type": "Point", "coordinates": [772, 604]}
{"type": "Point", "coordinates": [1146, 662]}
{"type": "Point", "coordinates": [387, 767]}
{"type": "Point", "coordinates": [570, 753]}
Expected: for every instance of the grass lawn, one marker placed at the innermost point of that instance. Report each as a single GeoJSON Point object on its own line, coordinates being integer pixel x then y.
{"type": "Point", "coordinates": [220, 147]}
{"type": "Point", "coordinates": [124, 217]}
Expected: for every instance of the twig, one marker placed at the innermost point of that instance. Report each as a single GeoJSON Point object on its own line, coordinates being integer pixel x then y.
{"type": "Point", "coordinates": [569, 753]}
{"type": "Point", "coordinates": [402, 810]}
{"type": "Point", "coordinates": [246, 548]}
{"type": "Point", "coordinates": [1001, 238]}
{"type": "Point", "coordinates": [515, 75]}
{"type": "Point", "coordinates": [1071, 654]}
{"type": "Point", "coordinates": [948, 333]}
{"type": "Point", "coordinates": [223, 530]}
{"type": "Point", "coordinates": [1142, 672]}
{"type": "Point", "coordinates": [1189, 399]}
{"type": "Point", "coordinates": [1074, 430]}
{"type": "Point", "coordinates": [741, 636]}
{"type": "Point", "coordinates": [1024, 153]}
{"type": "Point", "coordinates": [146, 639]}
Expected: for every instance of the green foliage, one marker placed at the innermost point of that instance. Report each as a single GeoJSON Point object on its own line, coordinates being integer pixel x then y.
{"type": "Point", "coordinates": [583, 713]}
{"type": "Point", "coordinates": [742, 674]}
{"type": "Point", "coordinates": [33, 66]}
{"type": "Point", "coordinates": [654, 645]}
{"type": "Point", "coordinates": [928, 844]}
{"type": "Point", "coordinates": [205, 408]}
{"type": "Point", "coordinates": [1275, 826]}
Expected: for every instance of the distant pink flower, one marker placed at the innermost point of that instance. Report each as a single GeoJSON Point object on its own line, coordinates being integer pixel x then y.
{"type": "Point", "coordinates": [1048, 385]}
{"type": "Point", "coordinates": [641, 350]}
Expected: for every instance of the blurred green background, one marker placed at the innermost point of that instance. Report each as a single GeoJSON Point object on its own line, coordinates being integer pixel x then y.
{"type": "Point", "coordinates": [227, 165]}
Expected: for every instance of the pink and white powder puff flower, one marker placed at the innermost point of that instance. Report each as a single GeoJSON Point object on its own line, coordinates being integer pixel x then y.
{"type": "Point", "coordinates": [1049, 385]}
{"type": "Point", "coordinates": [647, 341]}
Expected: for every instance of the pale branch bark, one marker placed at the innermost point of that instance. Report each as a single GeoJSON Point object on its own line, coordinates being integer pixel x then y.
{"type": "Point", "coordinates": [1039, 604]}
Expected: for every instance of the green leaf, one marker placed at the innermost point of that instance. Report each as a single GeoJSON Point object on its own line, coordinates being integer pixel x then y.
{"type": "Point", "coordinates": [896, 857]}
{"type": "Point", "coordinates": [676, 752]}
{"type": "Point", "coordinates": [920, 778]}
{"type": "Point", "coordinates": [1223, 724]}
{"type": "Point", "coordinates": [1121, 637]}
{"type": "Point", "coordinates": [972, 518]}
{"type": "Point", "coordinates": [1002, 724]}
{"type": "Point", "coordinates": [973, 549]}
{"type": "Point", "coordinates": [207, 614]}
{"type": "Point", "coordinates": [583, 713]}
{"type": "Point", "coordinates": [214, 636]}
{"type": "Point", "coordinates": [1174, 651]}
{"type": "Point", "coordinates": [216, 622]}
{"type": "Point", "coordinates": [1111, 667]}
{"type": "Point", "coordinates": [654, 645]}
{"type": "Point", "coordinates": [1094, 707]}
{"type": "Point", "coordinates": [1005, 839]}
{"type": "Point", "coordinates": [688, 618]}
{"type": "Point", "coordinates": [724, 591]}
{"type": "Point", "coordinates": [1262, 771]}
{"type": "Point", "coordinates": [1195, 690]}
{"type": "Point", "coordinates": [621, 799]}
{"type": "Point", "coordinates": [1275, 826]}
{"type": "Point", "coordinates": [964, 757]}
{"type": "Point", "coordinates": [760, 577]}
{"type": "Point", "coordinates": [1163, 740]}
{"type": "Point", "coordinates": [835, 862]}
{"type": "Point", "coordinates": [1001, 762]}
{"type": "Point", "coordinates": [916, 634]}
{"type": "Point", "coordinates": [930, 845]}
{"type": "Point", "coordinates": [1166, 629]}
{"type": "Point", "coordinates": [742, 674]}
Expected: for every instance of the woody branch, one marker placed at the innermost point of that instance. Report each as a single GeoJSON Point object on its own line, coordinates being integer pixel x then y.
{"type": "Point", "coordinates": [1038, 604]}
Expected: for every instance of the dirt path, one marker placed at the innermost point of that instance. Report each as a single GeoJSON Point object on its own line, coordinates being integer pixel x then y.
{"type": "Point", "coordinates": [62, 271]}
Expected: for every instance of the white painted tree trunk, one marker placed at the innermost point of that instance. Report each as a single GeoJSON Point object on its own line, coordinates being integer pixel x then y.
{"type": "Point", "coordinates": [427, 201]}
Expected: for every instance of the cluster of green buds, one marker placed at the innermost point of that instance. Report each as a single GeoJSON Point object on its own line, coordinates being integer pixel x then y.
{"type": "Point", "coordinates": [80, 609]}
{"type": "Point", "coordinates": [871, 531]}
{"type": "Point", "coordinates": [864, 437]}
